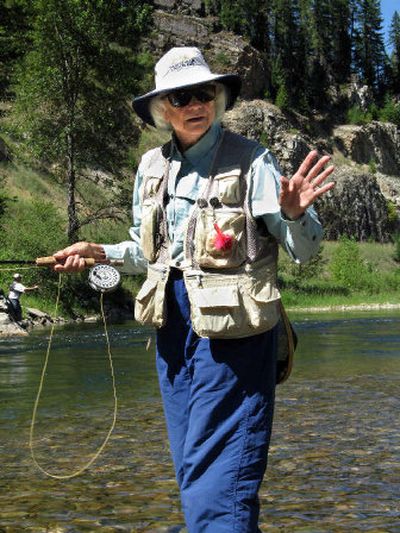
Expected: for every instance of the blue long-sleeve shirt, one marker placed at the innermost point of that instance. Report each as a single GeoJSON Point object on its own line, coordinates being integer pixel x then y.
{"type": "Point", "coordinates": [188, 175]}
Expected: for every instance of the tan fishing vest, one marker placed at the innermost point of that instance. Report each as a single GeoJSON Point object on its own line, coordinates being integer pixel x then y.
{"type": "Point", "coordinates": [232, 289]}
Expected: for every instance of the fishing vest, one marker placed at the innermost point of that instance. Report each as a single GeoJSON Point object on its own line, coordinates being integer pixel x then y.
{"type": "Point", "coordinates": [230, 258]}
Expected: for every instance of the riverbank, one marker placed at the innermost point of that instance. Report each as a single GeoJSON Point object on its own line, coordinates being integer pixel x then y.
{"type": "Point", "coordinates": [344, 308]}
{"type": "Point", "coordinates": [37, 320]}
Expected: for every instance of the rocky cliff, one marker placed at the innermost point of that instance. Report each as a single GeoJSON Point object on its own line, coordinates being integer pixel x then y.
{"type": "Point", "coordinates": [367, 160]}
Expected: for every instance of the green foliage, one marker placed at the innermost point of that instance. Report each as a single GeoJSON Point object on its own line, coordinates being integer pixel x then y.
{"type": "Point", "coordinates": [394, 40]}
{"type": "Point", "coordinates": [390, 112]}
{"type": "Point", "coordinates": [369, 48]}
{"type": "Point", "coordinates": [372, 166]}
{"type": "Point", "coordinates": [222, 59]}
{"type": "Point", "coordinates": [347, 266]}
{"type": "Point", "coordinates": [282, 98]}
{"type": "Point", "coordinates": [396, 254]}
{"type": "Point", "coordinates": [303, 272]}
{"type": "Point", "coordinates": [31, 229]}
{"type": "Point", "coordinates": [355, 115]}
{"type": "Point", "coordinates": [14, 39]}
{"type": "Point", "coordinates": [3, 199]}
{"type": "Point", "coordinates": [393, 216]}
{"type": "Point", "coordinates": [72, 88]}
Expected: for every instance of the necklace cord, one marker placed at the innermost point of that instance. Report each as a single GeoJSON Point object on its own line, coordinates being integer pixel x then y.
{"type": "Point", "coordinates": [40, 388]}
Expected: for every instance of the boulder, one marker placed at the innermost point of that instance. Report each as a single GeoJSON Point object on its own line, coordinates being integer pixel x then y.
{"type": "Point", "coordinates": [227, 53]}
{"type": "Point", "coordinates": [173, 30]}
{"type": "Point", "coordinates": [358, 94]}
{"type": "Point", "coordinates": [377, 143]}
{"type": "Point", "coordinates": [355, 207]}
{"type": "Point", "coordinates": [264, 122]}
{"type": "Point", "coordinates": [37, 318]}
{"type": "Point", "coordinates": [9, 328]}
{"type": "Point", "coordinates": [185, 7]}
{"type": "Point", "coordinates": [36, 314]}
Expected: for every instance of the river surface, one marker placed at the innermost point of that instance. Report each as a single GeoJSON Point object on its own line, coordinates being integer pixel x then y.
{"type": "Point", "coordinates": [335, 454]}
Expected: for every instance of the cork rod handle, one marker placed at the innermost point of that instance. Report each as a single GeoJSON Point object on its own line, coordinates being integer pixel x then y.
{"type": "Point", "coordinates": [50, 261]}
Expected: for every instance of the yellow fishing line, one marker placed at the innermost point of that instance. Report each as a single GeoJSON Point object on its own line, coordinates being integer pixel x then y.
{"type": "Point", "coordinates": [41, 383]}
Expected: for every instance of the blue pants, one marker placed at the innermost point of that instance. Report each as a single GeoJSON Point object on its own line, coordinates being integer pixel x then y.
{"type": "Point", "coordinates": [218, 398]}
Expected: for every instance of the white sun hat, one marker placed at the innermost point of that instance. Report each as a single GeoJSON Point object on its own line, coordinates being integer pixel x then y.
{"type": "Point", "coordinates": [184, 67]}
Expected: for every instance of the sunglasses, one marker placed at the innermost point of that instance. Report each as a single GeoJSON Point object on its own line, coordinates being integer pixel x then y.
{"type": "Point", "coordinates": [202, 93]}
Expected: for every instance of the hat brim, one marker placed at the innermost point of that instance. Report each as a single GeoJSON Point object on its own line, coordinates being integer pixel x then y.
{"type": "Point", "coordinates": [232, 82]}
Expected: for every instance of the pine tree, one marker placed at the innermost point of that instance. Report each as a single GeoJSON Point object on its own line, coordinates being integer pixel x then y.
{"type": "Point", "coordinates": [369, 49]}
{"type": "Point", "coordinates": [288, 64]}
{"type": "Point", "coordinates": [394, 40]}
{"type": "Point", "coordinates": [341, 26]}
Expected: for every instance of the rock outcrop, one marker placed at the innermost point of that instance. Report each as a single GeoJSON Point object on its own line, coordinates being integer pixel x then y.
{"type": "Point", "coordinates": [376, 143]}
{"type": "Point", "coordinates": [264, 122]}
{"type": "Point", "coordinates": [358, 206]}
{"type": "Point", "coordinates": [8, 327]}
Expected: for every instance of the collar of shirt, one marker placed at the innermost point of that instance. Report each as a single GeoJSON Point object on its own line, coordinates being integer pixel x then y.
{"type": "Point", "coordinates": [199, 155]}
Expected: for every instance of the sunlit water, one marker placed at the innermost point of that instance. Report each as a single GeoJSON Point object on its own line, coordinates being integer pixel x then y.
{"type": "Point", "coordinates": [335, 453]}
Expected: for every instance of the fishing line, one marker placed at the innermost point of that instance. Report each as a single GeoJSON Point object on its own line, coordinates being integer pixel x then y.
{"type": "Point", "coordinates": [19, 268]}
{"type": "Point", "coordinates": [39, 393]}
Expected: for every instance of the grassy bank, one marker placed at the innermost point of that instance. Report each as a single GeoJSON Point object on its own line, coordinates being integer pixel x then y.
{"type": "Point", "coordinates": [344, 273]}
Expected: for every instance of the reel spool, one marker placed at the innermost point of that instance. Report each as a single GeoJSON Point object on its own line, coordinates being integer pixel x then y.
{"type": "Point", "coordinates": [104, 278]}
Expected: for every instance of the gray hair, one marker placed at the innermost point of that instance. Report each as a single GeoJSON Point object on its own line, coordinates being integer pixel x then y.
{"type": "Point", "coordinates": [157, 108]}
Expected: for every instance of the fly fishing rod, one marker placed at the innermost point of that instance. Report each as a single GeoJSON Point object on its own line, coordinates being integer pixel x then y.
{"type": "Point", "coordinates": [51, 261]}
{"type": "Point", "coordinates": [103, 277]}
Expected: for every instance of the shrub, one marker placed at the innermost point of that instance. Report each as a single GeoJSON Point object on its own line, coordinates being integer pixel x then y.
{"type": "Point", "coordinates": [372, 166]}
{"type": "Point", "coordinates": [393, 217]}
{"type": "Point", "coordinates": [396, 240]}
{"type": "Point", "coordinates": [390, 111]}
{"type": "Point", "coordinates": [347, 267]}
{"type": "Point", "coordinates": [355, 115]}
{"type": "Point", "coordinates": [282, 98]}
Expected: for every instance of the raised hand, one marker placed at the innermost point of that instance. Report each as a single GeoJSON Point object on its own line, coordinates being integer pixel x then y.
{"type": "Point", "coordinates": [305, 186]}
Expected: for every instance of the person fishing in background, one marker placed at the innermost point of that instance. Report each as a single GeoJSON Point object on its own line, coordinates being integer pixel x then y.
{"type": "Point", "coordinates": [209, 210]}
{"type": "Point", "coordinates": [17, 288]}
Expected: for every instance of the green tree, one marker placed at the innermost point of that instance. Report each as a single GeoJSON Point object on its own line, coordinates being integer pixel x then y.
{"type": "Point", "coordinates": [14, 39]}
{"type": "Point", "coordinates": [288, 52]}
{"type": "Point", "coordinates": [347, 266]}
{"type": "Point", "coordinates": [369, 49]}
{"type": "Point", "coordinates": [73, 87]}
{"type": "Point", "coordinates": [394, 40]}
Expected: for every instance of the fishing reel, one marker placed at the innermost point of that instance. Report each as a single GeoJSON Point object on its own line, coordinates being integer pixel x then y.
{"type": "Point", "coordinates": [104, 278]}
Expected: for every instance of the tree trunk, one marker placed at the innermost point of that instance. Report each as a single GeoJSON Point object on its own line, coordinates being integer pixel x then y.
{"type": "Point", "coordinates": [73, 222]}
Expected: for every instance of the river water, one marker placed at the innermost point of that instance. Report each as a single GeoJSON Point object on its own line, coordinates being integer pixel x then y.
{"type": "Point", "coordinates": [335, 452]}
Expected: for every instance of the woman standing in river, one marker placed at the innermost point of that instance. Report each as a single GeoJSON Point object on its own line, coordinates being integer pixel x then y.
{"type": "Point", "coordinates": [209, 210]}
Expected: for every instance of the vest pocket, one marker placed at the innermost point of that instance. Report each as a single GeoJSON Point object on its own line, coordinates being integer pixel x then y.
{"type": "Point", "coordinates": [151, 217]}
{"type": "Point", "coordinates": [231, 222]}
{"type": "Point", "coordinates": [232, 306]}
{"type": "Point", "coordinates": [150, 300]}
{"type": "Point", "coordinates": [229, 187]}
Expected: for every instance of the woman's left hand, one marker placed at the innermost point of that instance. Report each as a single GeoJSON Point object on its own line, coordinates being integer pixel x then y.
{"type": "Point", "coordinates": [305, 186]}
